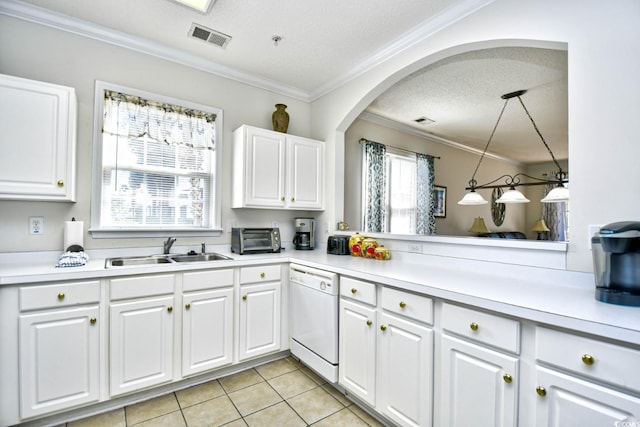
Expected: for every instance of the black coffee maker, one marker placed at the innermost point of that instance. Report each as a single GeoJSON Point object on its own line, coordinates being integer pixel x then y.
{"type": "Point", "coordinates": [616, 262]}
{"type": "Point", "coordinates": [305, 236]}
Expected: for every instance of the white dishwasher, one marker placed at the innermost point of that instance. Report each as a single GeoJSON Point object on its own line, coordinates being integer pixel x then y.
{"type": "Point", "coordinates": [313, 310]}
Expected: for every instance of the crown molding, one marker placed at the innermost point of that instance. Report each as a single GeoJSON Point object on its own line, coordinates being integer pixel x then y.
{"type": "Point", "coordinates": [43, 16]}
{"type": "Point", "coordinates": [405, 128]}
{"type": "Point", "coordinates": [412, 37]}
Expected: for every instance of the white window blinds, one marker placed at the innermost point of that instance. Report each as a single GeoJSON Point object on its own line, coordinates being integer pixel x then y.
{"type": "Point", "coordinates": [158, 164]}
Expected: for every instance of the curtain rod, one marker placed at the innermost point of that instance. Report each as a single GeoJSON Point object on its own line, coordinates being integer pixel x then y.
{"type": "Point", "coordinates": [363, 140]}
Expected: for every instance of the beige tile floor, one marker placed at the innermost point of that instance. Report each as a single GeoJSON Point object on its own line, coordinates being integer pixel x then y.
{"type": "Point", "coordinates": [281, 393]}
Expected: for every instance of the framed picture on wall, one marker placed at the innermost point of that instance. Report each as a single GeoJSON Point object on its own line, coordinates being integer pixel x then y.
{"type": "Point", "coordinates": [440, 199]}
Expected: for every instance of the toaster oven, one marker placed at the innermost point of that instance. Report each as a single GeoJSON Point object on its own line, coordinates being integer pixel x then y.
{"type": "Point", "coordinates": [255, 240]}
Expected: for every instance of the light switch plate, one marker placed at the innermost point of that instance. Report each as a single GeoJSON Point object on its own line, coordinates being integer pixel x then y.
{"type": "Point", "coordinates": [36, 225]}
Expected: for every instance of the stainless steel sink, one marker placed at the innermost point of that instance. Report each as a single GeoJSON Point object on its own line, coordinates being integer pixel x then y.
{"type": "Point", "coordinates": [199, 257]}
{"type": "Point", "coordinates": [162, 259]}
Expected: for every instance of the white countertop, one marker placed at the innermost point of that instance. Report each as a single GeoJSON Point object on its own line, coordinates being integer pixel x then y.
{"type": "Point", "coordinates": [554, 297]}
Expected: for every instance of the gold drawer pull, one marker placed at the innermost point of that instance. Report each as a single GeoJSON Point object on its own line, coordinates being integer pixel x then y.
{"type": "Point", "coordinates": [282, 199]}
{"type": "Point", "coordinates": [403, 304]}
{"type": "Point", "coordinates": [383, 328]}
{"type": "Point", "coordinates": [187, 306]}
{"type": "Point", "coordinates": [262, 275]}
{"type": "Point", "coordinates": [293, 199]}
{"type": "Point", "coordinates": [542, 392]}
{"type": "Point", "coordinates": [507, 378]}
{"type": "Point", "coordinates": [61, 296]}
{"type": "Point", "coordinates": [60, 183]}
{"type": "Point", "coordinates": [369, 322]}
{"type": "Point", "coordinates": [354, 290]}
{"type": "Point", "coordinates": [93, 320]}
{"type": "Point", "coordinates": [169, 309]}
{"type": "Point", "coordinates": [244, 297]}
{"type": "Point", "coordinates": [474, 326]}
{"type": "Point", "coordinates": [588, 359]}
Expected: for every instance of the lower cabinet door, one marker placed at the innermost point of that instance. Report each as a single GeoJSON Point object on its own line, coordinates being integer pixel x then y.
{"type": "Point", "coordinates": [141, 344]}
{"type": "Point", "coordinates": [357, 350]}
{"type": "Point", "coordinates": [562, 400]}
{"type": "Point", "coordinates": [259, 319]}
{"type": "Point", "coordinates": [207, 330]}
{"type": "Point", "coordinates": [59, 360]}
{"type": "Point", "coordinates": [405, 373]}
{"type": "Point", "coordinates": [478, 386]}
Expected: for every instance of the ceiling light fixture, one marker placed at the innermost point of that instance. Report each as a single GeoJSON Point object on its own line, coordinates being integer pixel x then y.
{"type": "Point", "coordinates": [558, 194]}
{"type": "Point", "coordinates": [202, 6]}
{"type": "Point", "coordinates": [276, 39]}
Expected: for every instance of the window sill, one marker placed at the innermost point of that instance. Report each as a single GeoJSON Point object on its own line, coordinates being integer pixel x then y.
{"type": "Point", "coordinates": [174, 232]}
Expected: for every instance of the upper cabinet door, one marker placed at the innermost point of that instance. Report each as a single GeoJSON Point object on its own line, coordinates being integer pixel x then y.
{"type": "Point", "coordinates": [305, 160]}
{"type": "Point", "coordinates": [38, 140]}
{"type": "Point", "coordinates": [275, 170]}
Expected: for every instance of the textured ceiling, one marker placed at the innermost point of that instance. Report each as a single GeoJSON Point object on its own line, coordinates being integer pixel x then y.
{"type": "Point", "coordinates": [325, 43]}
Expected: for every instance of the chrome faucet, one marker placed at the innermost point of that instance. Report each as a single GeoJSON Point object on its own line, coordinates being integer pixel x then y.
{"type": "Point", "coordinates": [167, 245]}
{"type": "Point", "coordinates": [203, 248]}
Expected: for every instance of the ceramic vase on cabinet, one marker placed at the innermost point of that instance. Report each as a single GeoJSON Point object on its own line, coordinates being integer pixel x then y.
{"type": "Point", "coordinates": [280, 118]}
{"type": "Point", "coordinates": [355, 244]}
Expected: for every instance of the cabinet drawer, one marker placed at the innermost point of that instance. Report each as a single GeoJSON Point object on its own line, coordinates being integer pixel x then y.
{"type": "Point", "coordinates": [413, 306]}
{"type": "Point", "coordinates": [261, 273]}
{"type": "Point", "coordinates": [482, 327]}
{"type": "Point", "coordinates": [141, 286]}
{"type": "Point", "coordinates": [589, 357]}
{"type": "Point", "coordinates": [59, 295]}
{"type": "Point", "coordinates": [198, 280]}
{"type": "Point", "coordinates": [358, 290]}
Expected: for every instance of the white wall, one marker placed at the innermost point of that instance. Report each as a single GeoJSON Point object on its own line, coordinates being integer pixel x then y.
{"type": "Point", "coordinates": [603, 43]}
{"type": "Point", "coordinates": [36, 52]}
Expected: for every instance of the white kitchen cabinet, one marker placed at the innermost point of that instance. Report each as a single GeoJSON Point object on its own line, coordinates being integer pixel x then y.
{"type": "Point", "coordinates": [38, 140]}
{"type": "Point", "coordinates": [207, 321]}
{"type": "Point", "coordinates": [478, 380]}
{"type": "Point", "coordinates": [386, 350]}
{"type": "Point", "coordinates": [60, 359]}
{"type": "Point", "coordinates": [478, 385]}
{"type": "Point", "coordinates": [259, 311]}
{"type": "Point", "coordinates": [59, 346]}
{"type": "Point", "coordinates": [141, 334]}
{"type": "Point", "coordinates": [275, 170]}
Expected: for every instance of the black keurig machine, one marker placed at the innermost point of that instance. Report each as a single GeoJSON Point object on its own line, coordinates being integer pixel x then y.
{"type": "Point", "coordinates": [616, 262]}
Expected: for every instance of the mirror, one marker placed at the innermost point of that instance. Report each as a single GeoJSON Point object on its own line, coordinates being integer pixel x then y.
{"type": "Point", "coordinates": [449, 109]}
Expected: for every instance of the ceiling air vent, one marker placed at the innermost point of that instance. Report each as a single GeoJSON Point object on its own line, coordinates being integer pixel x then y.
{"type": "Point", "coordinates": [424, 120]}
{"type": "Point", "coordinates": [208, 35]}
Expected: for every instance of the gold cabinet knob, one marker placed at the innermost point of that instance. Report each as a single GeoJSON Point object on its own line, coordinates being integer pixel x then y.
{"type": "Point", "coordinates": [282, 199]}
{"type": "Point", "coordinates": [369, 322]}
{"type": "Point", "coordinates": [93, 320]}
{"type": "Point", "coordinates": [187, 306]}
{"type": "Point", "coordinates": [474, 326]}
{"type": "Point", "coordinates": [507, 378]}
{"type": "Point", "coordinates": [541, 391]}
{"type": "Point", "coordinates": [61, 296]}
{"type": "Point", "coordinates": [293, 199]}
{"type": "Point", "coordinates": [60, 183]}
{"type": "Point", "coordinates": [403, 304]}
{"type": "Point", "coordinates": [383, 328]}
{"type": "Point", "coordinates": [588, 359]}
{"type": "Point", "coordinates": [169, 309]}
{"type": "Point", "coordinates": [262, 275]}
{"type": "Point", "coordinates": [244, 297]}
{"type": "Point", "coordinates": [354, 290]}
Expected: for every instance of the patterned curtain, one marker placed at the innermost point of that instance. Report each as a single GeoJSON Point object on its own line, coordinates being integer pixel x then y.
{"type": "Point", "coordinates": [425, 221]}
{"type": "Point", "coordinates": [555, 215]}
{"type": "Point", "coordinates": [375, 178]}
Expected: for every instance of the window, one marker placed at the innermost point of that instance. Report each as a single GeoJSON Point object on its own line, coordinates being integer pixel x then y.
{"type": "Point", "coordinates": [155, 164]}
{"type": "Point", "coordinates": [400, 193]}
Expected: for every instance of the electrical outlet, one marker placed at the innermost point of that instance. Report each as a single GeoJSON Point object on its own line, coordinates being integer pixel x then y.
{"type": "Point", "coordinates": [36, 225]}
{"type": "Point", "coordinates": [415, 247]}
{"type": "Point", "coordinates": [275, 224]}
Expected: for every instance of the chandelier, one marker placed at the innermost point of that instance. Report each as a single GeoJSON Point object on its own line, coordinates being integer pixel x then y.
{"type": "Point", "coordinates": [559, 194]}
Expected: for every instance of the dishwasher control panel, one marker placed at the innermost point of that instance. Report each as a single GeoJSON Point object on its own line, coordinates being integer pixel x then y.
{"type": "Point", "coordinates": [319, 280]}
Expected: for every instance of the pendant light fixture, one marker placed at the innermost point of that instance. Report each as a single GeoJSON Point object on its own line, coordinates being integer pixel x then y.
{"type": "Point", "coordinates": [559, 194]}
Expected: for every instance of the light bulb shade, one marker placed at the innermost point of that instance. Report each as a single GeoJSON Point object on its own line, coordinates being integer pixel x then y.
{"type": "Point", "coordinates": [512, 196]}
{"type": "Point", "coordinates": [557, 195]}
{"type": "Point", "coordinates": [479, 226]}
{"type": "Point", "coordinates": [472, 198]}
{"type": "Point", "coordinates": [540, 226]}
